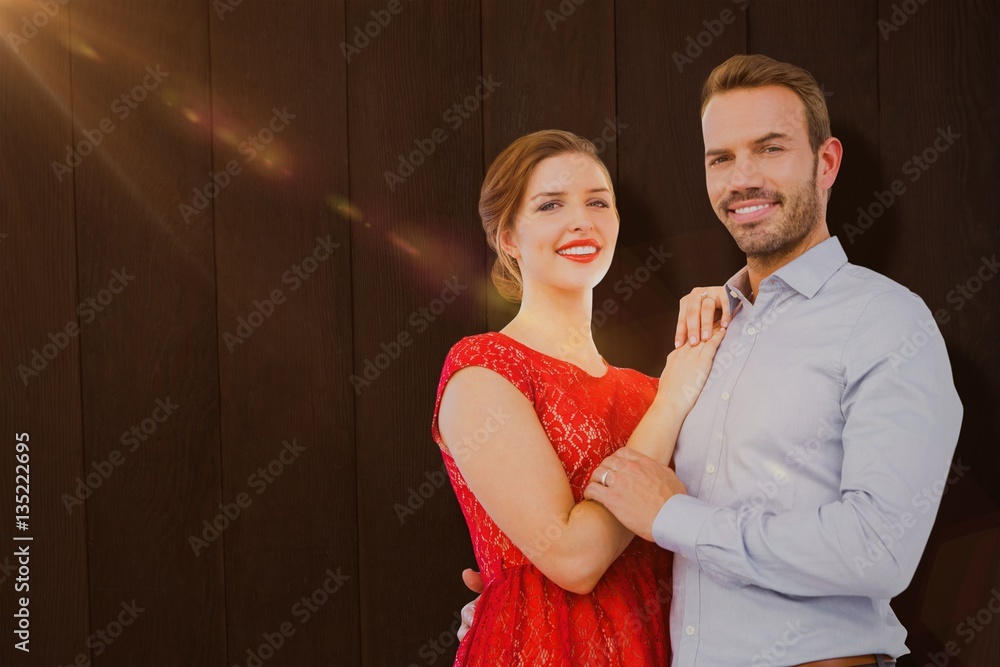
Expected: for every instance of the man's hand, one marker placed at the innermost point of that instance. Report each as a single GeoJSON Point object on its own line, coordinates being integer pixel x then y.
{"type": "Point", "coordinates": [636, 488]}
{"type": "Point", "coordinates": [475, 584]}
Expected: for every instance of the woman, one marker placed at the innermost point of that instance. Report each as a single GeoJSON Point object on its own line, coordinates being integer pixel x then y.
{"type": "Point", "coordinates": [523, 417]}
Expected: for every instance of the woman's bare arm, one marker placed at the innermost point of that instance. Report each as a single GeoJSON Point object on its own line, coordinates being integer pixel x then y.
{"type": "Point", "coordinates": [517, 476]}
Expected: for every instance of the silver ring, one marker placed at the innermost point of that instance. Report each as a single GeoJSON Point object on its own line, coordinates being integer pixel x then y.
{"type": "Point", "coordinates": [604, 478]}
{"type": "Point", "coordinates": [704, 295]}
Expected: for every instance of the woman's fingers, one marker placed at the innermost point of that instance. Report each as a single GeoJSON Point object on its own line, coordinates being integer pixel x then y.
{"type": "Point", "coordinates": [712, 344]}
{"type": "Point", "coordinates": [708, 308]}
{"type": "Point", "coordinates": [468, 615]}
{"type": "Point", "coordinates": [698, 314]}
{"type": "Point", "coordinates": [681, 334]}
{"type": "Point", "coordinates": [694, 310]}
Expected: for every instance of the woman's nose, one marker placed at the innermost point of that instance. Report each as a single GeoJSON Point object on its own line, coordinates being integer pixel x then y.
{"type": "Point", "coordinates": [582, 221]}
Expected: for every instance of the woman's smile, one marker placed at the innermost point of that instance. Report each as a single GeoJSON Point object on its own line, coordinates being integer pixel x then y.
{"type": "Point", "coordinates": [580, 250]}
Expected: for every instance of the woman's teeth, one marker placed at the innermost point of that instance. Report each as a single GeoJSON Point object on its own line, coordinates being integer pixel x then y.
{"type": "Point", "coordinates": [579, 250]}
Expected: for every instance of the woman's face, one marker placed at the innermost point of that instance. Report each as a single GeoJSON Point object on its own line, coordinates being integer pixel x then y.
{"type": "Point", "coordinates": [565, 232]}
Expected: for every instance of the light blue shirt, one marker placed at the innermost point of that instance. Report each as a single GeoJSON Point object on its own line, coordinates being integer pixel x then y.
{"type": "Point", "coordinates": [815, 460]}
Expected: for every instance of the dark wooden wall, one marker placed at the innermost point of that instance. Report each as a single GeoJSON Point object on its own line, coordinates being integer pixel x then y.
{"type": "Point", "coordinates": [347, 548]}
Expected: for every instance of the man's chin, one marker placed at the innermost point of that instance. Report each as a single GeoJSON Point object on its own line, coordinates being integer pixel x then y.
{"type": "Point", "coordinates": [754, 245]}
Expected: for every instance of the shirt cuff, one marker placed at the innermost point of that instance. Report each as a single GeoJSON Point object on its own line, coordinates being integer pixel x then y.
{"type": "Point", "coordinates": [678, 523]}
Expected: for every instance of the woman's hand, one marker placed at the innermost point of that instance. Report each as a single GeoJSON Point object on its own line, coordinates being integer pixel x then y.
{"type": "Point", "coordinates": [681, 382]}
{"type": "Point", "coordinates": [475, 584]}
{"type": "Point", "coordinates": [687, 370]}
{"type": "Point", "coordinates": [698, 313]}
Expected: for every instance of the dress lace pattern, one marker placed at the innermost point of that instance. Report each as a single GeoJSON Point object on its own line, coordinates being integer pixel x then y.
{"type": "Point", "coordinates": [523, 618]}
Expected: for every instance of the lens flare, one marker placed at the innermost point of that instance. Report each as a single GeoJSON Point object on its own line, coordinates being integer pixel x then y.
{"type": "Point", "coordinates": [343, 207]}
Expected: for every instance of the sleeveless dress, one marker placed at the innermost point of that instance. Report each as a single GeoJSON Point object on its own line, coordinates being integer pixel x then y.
{"type": "Point", "coordinates": [523, 618]}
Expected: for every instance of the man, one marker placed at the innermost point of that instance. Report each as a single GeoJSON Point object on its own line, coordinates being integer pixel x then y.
{"type": "Point", "coordinates": [810, 471]}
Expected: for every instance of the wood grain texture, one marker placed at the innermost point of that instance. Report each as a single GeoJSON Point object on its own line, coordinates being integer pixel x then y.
{"type": "Point", "coordinates": [850, 84]}
{"type": "Point", "coordinates": [155, 341]}
{"type": "Point", "coordinates": [415, 240]}
{"type": "Point", "coordinates": [40, 385]}
{"type": "Point", "coordinates": [381, 152]}
{"type": "Point", "coordinates": [557, 64]}
{"type": "Point", "coordinates": [937, 73]}
{"type": "Point", "coordinates": [282, 234]}
{"type": "Point", "coordinates": [665, 52]}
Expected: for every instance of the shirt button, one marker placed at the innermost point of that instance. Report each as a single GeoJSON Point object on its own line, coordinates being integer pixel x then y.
{"type": "Point", "coordinates": [751, 330]}
{"type": "Point", "coordinates": [733, 293]}
{"type": "Point", "coordinates": [689, 630]}
{"type": "Point", "coordinates": [710, 468]}
{"type": "Point", "coordinates": [725, 395]}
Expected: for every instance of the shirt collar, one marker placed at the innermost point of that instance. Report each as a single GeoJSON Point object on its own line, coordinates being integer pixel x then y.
{"type": "Point", "coordinates": [806, 274]}
{"type": "Point", "coordinates": [809, 271]}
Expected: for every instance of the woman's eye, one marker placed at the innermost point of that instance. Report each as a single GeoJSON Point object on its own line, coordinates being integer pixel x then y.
{"type": "Point", "coordinates": [547, 206]}
{"type": "Point", "coordinates": [601, 203]}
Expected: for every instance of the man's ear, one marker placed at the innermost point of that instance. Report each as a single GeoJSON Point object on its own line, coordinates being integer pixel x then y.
{"type": "Point", "coordinates": [831, 153]}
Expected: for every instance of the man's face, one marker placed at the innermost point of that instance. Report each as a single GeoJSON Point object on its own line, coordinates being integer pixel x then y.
{"type": "Point", "coordinates": [760, 170]}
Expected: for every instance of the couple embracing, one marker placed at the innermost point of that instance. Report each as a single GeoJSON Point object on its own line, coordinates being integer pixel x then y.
{"type": "Point", "coordinates": [744, 515]}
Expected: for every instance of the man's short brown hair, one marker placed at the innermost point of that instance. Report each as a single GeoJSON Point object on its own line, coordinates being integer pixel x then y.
{"type": "Point", "coordinates": [756, 71]}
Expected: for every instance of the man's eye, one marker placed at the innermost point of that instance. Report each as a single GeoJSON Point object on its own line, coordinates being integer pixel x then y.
{"type": "Point", "coordinates": [717, 160]}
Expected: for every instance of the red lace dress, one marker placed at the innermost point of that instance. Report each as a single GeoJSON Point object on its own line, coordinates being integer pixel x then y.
{"type": "Point", "coordinates": [523, 618]}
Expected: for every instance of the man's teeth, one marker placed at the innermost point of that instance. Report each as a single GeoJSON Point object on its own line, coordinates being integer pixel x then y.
{"type": "Point", "coordinates": [578, 250]}
{"type": "Point", "coordinates": [751, 209]}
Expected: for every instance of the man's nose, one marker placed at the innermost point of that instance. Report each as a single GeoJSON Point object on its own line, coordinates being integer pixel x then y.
{"type": "Point", "coordinates": [745, 174]}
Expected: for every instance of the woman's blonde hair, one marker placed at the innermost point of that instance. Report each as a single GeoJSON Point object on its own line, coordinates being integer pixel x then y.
{"type": "Point", "coordinates": [504, 187]}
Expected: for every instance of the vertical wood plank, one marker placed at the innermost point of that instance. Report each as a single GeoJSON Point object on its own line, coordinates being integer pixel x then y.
{"type": "Point", "coordinates": [557, 64]}
{"type": "Point", "coordinates": [416, 168]}
{"type": "Point", "coordinates": [279, 122]}
{"type": "Point", "coordinates": [149, 358]}
{"type": "Point", "coordinates": [850, 84]}
{"type": "Point", "coordinates": [938, 134]}
{"type": "Point", "coordinates": [363, 336]}
{"type": "Point", "coordinates": [665, 52]}
{"type": "Point", "coordinates": [39, 356]}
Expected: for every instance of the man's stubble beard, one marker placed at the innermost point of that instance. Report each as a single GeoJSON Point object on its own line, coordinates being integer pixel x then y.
{"type": "Point", "coordinates": [798, 217]}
